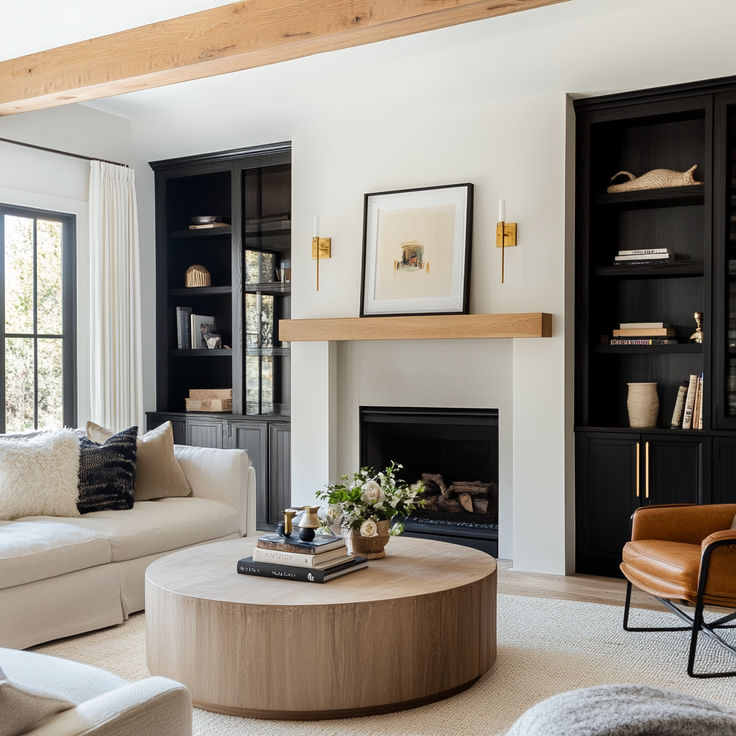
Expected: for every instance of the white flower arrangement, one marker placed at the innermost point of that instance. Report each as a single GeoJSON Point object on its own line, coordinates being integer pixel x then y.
{"type": "Point", "coordinates": [368, 497]}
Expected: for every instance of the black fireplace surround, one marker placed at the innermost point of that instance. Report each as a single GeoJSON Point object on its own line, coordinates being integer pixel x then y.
{"type": "Point", "coordinates": [461, 445]}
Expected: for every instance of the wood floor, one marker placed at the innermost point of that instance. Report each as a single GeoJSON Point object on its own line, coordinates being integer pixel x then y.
{"type": "Point", "coordinates": [588, 588]}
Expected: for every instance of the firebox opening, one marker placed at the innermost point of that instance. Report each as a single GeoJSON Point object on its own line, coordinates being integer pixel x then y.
{"type": "Point", "coordinates": [455, 451]}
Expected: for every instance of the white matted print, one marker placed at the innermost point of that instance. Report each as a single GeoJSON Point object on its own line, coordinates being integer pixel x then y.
{"type": "Point", "coordinates": [416, 251]}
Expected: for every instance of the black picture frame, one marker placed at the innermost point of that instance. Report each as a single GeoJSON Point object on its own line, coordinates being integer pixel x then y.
{"type": "Point", "coordinates": [407, 232]}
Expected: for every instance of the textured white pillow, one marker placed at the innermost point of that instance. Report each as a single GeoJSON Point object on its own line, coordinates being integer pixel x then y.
{"type": "Point", "coordinates": [39, 476]}
{"type": "Point", "coordinates": [23, 708]}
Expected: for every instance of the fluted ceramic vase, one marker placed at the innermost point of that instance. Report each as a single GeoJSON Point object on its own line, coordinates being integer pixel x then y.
{"type": "Point", "coordinates": [371, 548]}
{"type": "Point", "coordinates": [643, 404]}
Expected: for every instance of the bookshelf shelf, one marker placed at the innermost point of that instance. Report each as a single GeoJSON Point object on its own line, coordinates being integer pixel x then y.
{"type": "Point", "coordinates": [681, 347]}
{"type": "Point", "coordinates": [665, 270]}
{"type": "Point", "coordinates": [669, 196]}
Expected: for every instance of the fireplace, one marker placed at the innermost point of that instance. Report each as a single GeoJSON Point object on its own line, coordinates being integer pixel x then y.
{"type": "Point", "coordinates": [456, 450]}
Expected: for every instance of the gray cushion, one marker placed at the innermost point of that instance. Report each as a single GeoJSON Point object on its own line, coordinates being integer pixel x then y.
{"type": "Point", "coordinates": [25, 705]}
{"type": "Point", "coordinates": [159, 526]}
{"type": "Point", "coordinates": [47, 547]}
{"type": "Point", "coordinates": [625, 710]}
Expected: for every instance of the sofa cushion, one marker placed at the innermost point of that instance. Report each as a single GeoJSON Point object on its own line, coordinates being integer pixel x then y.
{"type": "Point", "coordinates": [46, 547]}
{"type": "Point", "coordinates": [39, 475]}
{"type": "Point", "coordinates": [107, 472]}
{"type": "Point", "coordinates": [158, 473]}
{"type": "Point", "coordinates": [24, 705]}
{"type": "Point", "coordinates": [61, 678]}
{"type": "Point", "coordinates": [159, 526]}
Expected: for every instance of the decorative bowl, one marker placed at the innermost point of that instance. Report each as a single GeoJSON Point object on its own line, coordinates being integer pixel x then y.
{"type": "Point", "coordinates": [204, 219]}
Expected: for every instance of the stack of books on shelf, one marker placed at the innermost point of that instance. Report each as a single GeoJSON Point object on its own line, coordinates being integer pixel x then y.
{"type": "Point", "coordinates": [643, 333]}
{"type": "Point", "coordinates": [644, 257]}
{"type": "Point", "coordinates": [290, 558]}
{"type": "Point", "coordinates": [688, 411]}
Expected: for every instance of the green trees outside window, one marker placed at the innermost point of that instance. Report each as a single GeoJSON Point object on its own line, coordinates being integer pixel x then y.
{"type": "Point", "coordinates": [37, 317]}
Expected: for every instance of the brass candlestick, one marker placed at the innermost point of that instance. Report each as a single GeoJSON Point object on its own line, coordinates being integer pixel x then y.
{"type": "Point", "coordinates": [505, 238]}
{"type": "Point", "coordinates": [697, 336]}
{"type": "Point", "coordinates": [321, 248]}
{"type": "Point", "coordinates": [288, 514]}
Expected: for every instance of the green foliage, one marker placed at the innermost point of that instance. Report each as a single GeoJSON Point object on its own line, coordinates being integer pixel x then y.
{"type": "Point", "coordinates": [21, 277]}
{"type": "Point", "coordinates": [369, 495]}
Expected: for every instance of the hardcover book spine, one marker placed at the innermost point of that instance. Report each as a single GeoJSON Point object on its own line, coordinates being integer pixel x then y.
{"type": "Point", "coordinates": [295, 559]}
{"type": "Point", "coordinates": [284, 573]}
{"type": "Point", "coordinates": [679, 406]}
{"type": "Point", "coordinates": [296, 546]}
{"type": "Point", "coordinates": [687, 419]}
{"type": "Point", "coordinates": [182, 328]}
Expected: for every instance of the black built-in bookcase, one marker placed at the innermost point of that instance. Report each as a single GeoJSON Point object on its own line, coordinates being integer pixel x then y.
{"type": "Point", "coordinates": [617, 467]}
{"type": "Point", "coordinates": [250, 191]}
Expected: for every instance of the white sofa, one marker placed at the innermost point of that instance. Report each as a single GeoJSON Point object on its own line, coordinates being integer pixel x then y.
{"type": "Point", "coordinates": [62, 576]}
{"type": "Point", "coordinates": [49, 696]}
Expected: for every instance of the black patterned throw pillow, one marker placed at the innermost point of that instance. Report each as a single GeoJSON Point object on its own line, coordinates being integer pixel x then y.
{"type": "Point", "coordinates": [107, 472]}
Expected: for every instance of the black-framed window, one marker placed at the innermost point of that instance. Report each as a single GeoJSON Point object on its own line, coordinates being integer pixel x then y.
{"type": "Point", "coordinates": [37, 319]}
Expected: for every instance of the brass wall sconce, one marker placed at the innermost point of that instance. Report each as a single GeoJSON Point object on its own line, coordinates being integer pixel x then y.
{"type": "Point", "coordinates": [321, 247]}
{"type": "Point", "coordinates": [505, 233]}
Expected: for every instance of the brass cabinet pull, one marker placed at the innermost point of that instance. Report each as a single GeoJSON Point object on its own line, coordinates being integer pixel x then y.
{"type": "Point", "coordinates": [646, 470]}
{"type": "Point", "coordinates": [637, 469]}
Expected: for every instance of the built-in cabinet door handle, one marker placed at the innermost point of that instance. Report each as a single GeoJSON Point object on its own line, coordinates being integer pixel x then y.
{"type": "Point", "coordinates": [646, 470]}
{"type": "Point", "coordinates": [637, 469]}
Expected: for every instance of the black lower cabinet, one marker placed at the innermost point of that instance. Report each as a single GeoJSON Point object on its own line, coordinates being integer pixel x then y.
{"type": "Point", "coordinates": [616, 473]}
{"type": "Point", "coordinates": [724, 470]}
{"type": "Point", "coordinates": [267, 444]}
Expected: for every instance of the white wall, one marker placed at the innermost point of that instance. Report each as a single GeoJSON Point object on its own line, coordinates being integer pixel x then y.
{"type": "Point", "coordinates": [33, 178]}
{"type": "Point", "coordinates": [482, 102]}
{"type": "Point", "coordinates": [514, 150]}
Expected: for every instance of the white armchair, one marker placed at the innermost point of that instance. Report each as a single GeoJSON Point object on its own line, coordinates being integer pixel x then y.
{"type": "Point", "coordinates": [47, 696]}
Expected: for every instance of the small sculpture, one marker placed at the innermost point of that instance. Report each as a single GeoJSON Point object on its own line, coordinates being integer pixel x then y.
{"type": "Point", "coordinates": [308, 523]}
{"type": "Point", "coordinates": [697, 336]}
{"type": "Point", "coordinates": [654, 179]}
{"type": "Point", "coordinates": [197, 275]}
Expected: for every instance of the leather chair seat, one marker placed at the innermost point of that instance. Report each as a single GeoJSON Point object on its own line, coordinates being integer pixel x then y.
{"type": "Point", "coordinates": [670, 570]}
{"type": "Point", "coordinates": [662, 568]}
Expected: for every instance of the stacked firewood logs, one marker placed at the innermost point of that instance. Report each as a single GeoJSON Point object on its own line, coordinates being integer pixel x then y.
{"type": "Point", "coordinates": [473, 496]}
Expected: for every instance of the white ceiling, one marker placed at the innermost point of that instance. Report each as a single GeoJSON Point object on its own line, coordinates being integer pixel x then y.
{"type": "Point", "coordinates": [580, 47]}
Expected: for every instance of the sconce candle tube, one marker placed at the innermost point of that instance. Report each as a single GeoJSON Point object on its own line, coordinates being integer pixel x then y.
{"type": "Point", "coordinates": [502, 210]}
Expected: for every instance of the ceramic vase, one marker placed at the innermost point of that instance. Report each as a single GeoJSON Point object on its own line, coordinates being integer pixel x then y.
{"type": "Point", "coordinates": [372, 548]}
{"type": "Point", "coordinates": [643, 404]}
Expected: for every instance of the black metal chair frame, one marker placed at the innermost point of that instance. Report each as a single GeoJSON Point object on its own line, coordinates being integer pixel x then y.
{"type": "Point", "coordinates": [697, 621]}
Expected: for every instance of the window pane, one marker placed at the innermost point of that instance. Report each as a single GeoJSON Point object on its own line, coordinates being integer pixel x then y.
{"type": "Point", "coordinates": [18, 274]}
{"type": "Point", "coordinates": [18, 384]}
{"type": "Point", "coordinates": [50, 384]}
{"type": "Point", "coordinates": [48, 284]}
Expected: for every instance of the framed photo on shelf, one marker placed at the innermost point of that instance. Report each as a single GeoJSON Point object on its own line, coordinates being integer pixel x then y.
{"type": "Point", "coordinates": [416, 251]}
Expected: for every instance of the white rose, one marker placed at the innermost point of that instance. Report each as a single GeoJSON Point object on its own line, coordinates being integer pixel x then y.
{"type": "Point", "coordinates": [369, 528]}
{"type": "Point", "coordinates": [372, 492]}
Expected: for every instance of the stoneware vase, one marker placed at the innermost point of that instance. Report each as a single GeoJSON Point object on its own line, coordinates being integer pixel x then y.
{"type": "Point", "coordinates": [369, 547]}
{"type": "Point", "coordinates": [643, 404]}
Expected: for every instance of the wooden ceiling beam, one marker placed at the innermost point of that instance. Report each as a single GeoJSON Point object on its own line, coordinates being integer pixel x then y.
{"type": "Point", "coordinates": [225, 39]}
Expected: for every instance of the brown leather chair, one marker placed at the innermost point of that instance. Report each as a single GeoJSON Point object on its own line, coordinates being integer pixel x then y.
{"type": "Point", "coordinates": [685, 555]}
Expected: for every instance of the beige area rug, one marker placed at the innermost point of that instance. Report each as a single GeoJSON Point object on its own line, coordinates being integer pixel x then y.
{"type": "Point", "coordinates": [544, 647]}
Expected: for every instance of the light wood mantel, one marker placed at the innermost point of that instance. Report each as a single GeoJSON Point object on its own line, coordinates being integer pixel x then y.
{"type": "Point", "coordinates": [422, 327]}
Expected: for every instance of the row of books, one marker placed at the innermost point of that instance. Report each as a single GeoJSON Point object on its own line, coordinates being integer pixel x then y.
{"type": "Point", "coordinates": [289, 558]}
{"type": "Point", "coordinates": [193, 329]}
{"type": "Point", "coordinates": [644, 257]}
{"type": "Point", "coordinates": [643, 333]}
{"type": "Point", "coordinates": [688, 411]}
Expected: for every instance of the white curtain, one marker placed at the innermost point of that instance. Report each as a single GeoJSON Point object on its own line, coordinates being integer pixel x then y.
{"type": "Point", "coordinates": [116, 374]}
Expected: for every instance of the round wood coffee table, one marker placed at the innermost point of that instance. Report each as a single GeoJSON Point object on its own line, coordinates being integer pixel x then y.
{"type": "Point", "coordinates": [409, 629]}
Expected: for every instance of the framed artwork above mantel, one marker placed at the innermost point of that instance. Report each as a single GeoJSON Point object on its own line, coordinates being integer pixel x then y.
{"type": "Point", "coordinates": [416, 251]}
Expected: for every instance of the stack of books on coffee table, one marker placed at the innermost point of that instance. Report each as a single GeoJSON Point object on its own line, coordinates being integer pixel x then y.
{"type": "Point", "coordinates": [290, 558]}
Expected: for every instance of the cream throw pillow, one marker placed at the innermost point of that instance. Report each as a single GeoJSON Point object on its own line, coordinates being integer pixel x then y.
{"type": "Point", "coordinates": [22, 708]}
{"type": "Point", "coordinates": [39, 476]}
{"type": "Point", "coordinates": [158, 473]}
